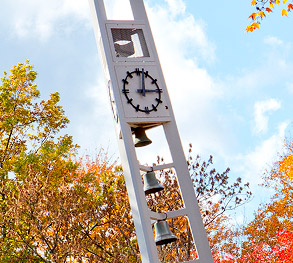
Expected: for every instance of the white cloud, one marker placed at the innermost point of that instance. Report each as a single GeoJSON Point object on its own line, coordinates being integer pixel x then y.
{"type": "Point", "coordinates": [43, 18]}
{"type": "Point", "coordinates": [253, 164]}
{"type": "Point", "coordinates": [176, 7]}
{"type": "Point", "coordinates": [274, 41]}
{"type": "Point", "coordinates": [261, 111]}
{"type": "Point", "coordinates": [186, 36]}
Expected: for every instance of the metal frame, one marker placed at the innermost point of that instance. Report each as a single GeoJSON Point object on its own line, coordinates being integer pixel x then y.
{"type": "Point", "coordinates": [142, 215]}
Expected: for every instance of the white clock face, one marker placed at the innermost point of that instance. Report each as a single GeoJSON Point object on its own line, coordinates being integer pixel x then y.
{"type": "Point", "coordinates": [142, 91]}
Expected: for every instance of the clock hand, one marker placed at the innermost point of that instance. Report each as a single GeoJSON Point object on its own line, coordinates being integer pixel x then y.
{"type": "Point", "coordinates": [148, 90]}
{"type": "Point", "coordinates": [142, 82]}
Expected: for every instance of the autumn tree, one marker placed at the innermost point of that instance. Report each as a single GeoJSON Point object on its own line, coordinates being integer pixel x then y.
{"type": "Point", "coordinates": [269, 236]}
{"type": "Point", "coordinates": [55, 208]}
{"type": "Point", "coordinates": [216, 195]}
{"type": "Point", "coordinates": [263, 8]}
{"type": "Point", "coordinates": [281, 252]}
{"type": "Point", "coordinates": [25, 123]}
{"type": "Point", "coordinates": [26, 126]}
{"type": "Point", "coordinates": [277, 215]}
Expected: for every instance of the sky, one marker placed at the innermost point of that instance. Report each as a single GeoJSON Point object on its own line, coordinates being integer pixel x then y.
{"type": "Point", "coordinates": [231, 91]}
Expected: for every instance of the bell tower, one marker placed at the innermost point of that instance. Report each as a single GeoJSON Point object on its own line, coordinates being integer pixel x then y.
{"type": "Point", "coordinates": [140, 101]}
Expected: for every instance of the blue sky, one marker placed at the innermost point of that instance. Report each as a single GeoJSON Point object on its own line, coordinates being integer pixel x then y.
{"type": "Point", "coordinates": [231, 91]}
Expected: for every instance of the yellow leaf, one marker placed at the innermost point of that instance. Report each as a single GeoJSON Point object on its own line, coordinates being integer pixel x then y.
{"type": "Point", "coordinates": [253, 2]}
{"type": "Point", "coordinates": [261, 14]}
{"type": "Point", "coordinates": [271, 5]}
{"type": "Point", "coordinates": [284, 1]}
{"type": "Point", "coordinates": [277, 2]}
{"type": "Point", "coordinates": [249, 28]}
{"type": "Point", "coordinates": [284, 12]}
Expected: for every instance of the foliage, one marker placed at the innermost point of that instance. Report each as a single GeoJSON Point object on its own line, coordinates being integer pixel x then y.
{"type": "Point", "coordinates": [24, 123]}
{"type": "Point", "coordinates": [281, 252]}
{"type": "Point", "coordinates": [269, 236]}
{"type": "Point", "coordinates": [276, 215]}
{"type": "Point", "coordinates": [55, 209]}
{"type": "Point", "coordinates": [69, 213]}
{"type": "Point", "coordinates": [263, 8]}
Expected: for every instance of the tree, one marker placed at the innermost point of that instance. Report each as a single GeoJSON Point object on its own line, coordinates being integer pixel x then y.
{"type": "Point", "coordinates": [215, 194]}
{"type": "Point", "coordinates": [264, 7]}
{"type": "Point", "coordinates": [278, 213]}
{"type": "Point", "coordinates": [25, 124]}
{"type": "Point", "coordinates": [54, 208]}
{"type": "Point", "coordinates": [281, 252]}
{"type": "Point", "coordinates": [269, 236]}
{"type": "Point", "coordinates": [27, 127]}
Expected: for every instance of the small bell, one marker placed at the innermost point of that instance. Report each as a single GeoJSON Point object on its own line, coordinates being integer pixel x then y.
{"type": "Point", "coordinates": [140, 138]}
{"type": "Point", "coordinates": [163, 235]}
{"type": "Point", "coordinates": [151, 183]}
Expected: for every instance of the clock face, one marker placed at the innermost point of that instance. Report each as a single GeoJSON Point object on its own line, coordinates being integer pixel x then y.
{"type": "Point", "coordinates": [142, 91]}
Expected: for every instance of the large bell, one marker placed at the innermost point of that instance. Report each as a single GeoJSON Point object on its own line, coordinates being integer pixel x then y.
{"type": "Point", "coordinates": [151, 183]}
{"type": "Point", "coordinates": [163, 235]}
{"type": "Point", "coordinates": [140, 138]}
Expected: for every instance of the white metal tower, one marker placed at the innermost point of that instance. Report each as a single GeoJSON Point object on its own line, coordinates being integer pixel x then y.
{"type": "Point", "coordinates": [139, 99]}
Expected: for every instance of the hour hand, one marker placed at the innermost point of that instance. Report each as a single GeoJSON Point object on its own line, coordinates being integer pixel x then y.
{"type": "Point", "coordinates": [147, 90]}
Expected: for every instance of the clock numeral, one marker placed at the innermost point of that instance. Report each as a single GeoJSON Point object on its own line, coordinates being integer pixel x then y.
{"type": "Point", "coordinates": [137, 71]}
{"type": "Point", "coordinates": [154, 107]}
{"type": "Point", "coordinates": [146, 109]}
{"type": "Point", "coordinates": [154, 81]}
{"type": "Point", "coordinates": [129, 74]}
{"type": "Point", "coordinates": [129, 101]}
{"type": "Point", "coordinates": [125, 81]}
{"type": "Point", "coordinates": [125, 91]}
{"type": "Point", "coordinates": [137, 107]}
{"type": "Point", "coordinates": [158, 100]}
{"type": "Point", "coordinates": [146, 74]}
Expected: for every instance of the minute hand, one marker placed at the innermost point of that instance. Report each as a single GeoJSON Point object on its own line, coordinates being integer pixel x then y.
{"type": "Point", "coordinates": [142, 82]}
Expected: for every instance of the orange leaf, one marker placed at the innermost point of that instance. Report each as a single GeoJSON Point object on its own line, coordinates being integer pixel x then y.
{"type": "Point", "coordinates": [253, 16]}
{"type": "Point", "coordinates": [290, 7]}
{"type": "Point", "coordinates": [252, 27]}
{"type": "Point", "coordinates": [284, 12]}
{"type": "Point", "coordinates": [255, 25]}
{"type": "Point", "coordinates": [253, 2]}
{"type": "Point", "coordinates": [268, 10]}
{"type": "Point", "coordinates": [249, 28]}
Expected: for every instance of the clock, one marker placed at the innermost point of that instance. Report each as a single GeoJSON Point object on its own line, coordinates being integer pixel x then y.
{"type": "Point", "coordinates": [142, 91]}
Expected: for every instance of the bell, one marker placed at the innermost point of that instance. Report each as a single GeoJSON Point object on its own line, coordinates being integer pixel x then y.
{"type": "Point", "coordinates": [151, 184]}
{"type": "Point", "coordinates": [163, 235]}
{"type": "Point", "coordinates": [140, 138]}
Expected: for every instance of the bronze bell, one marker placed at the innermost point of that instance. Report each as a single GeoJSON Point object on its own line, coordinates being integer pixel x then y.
{"type": "Point", "coordinates": [140, 138]}
{"type": "Point", "coordinates": [163, 235]}
{"type": "Point", "coordinates": [151, 183]}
